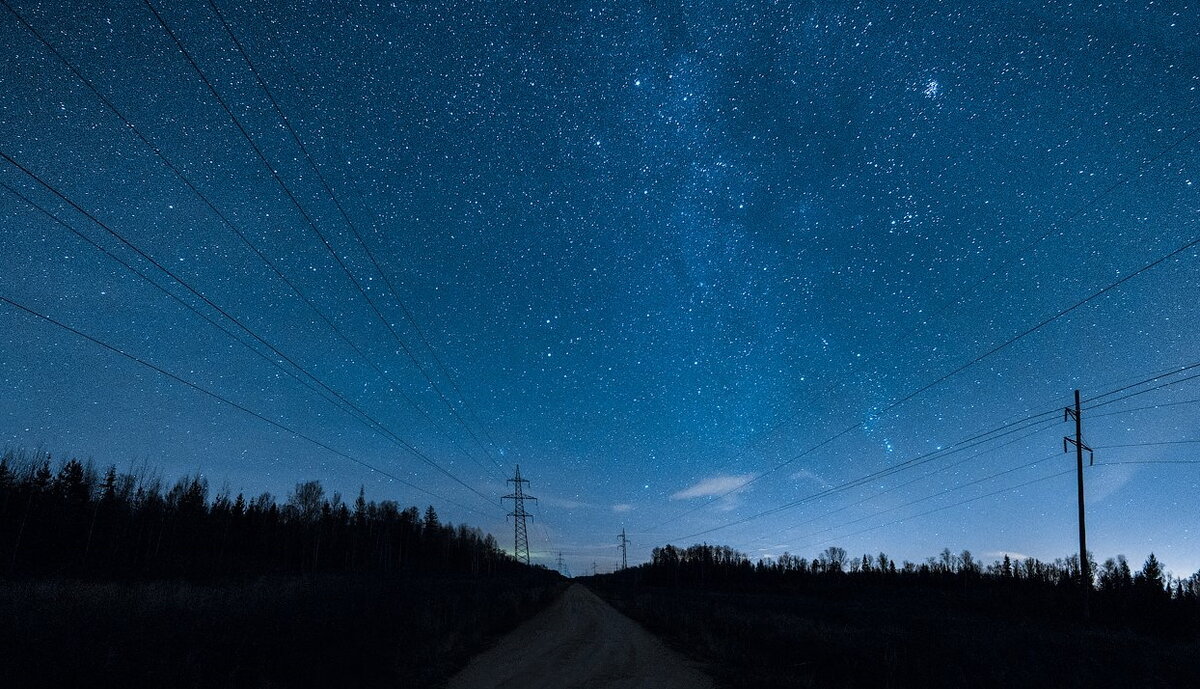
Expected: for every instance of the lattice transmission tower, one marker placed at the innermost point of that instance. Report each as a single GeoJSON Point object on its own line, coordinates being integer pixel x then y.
{"type": "Point", "coordinates": [519, 515]}
{"type": "Point", "coordinates": [624, 545]}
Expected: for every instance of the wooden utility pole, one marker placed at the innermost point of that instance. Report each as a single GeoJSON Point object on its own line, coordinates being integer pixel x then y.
{"type": "Point", "coordinates": [1085, 570]}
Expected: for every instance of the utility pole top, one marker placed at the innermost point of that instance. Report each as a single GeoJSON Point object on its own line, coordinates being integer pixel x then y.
{"type": "Point", "coordinates": [1085, 570]}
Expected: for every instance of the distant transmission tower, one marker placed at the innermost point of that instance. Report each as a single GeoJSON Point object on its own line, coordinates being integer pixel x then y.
{"type": "Point", "coordinates": [519, 515]}
{"type": "Point", "coordinates": [560, 564]}
{"type": "Point", "coordinates": [624, 550]}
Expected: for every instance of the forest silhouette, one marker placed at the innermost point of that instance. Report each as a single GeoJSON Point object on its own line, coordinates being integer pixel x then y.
{"type": "Point", "coordinates": [156, 583]}
{"type": "Point", "coordinates": [839, 620]}
{"type": "Point", "coordinates": [75, 521]}
{"type": "Point", "coordinates": [112, 578]}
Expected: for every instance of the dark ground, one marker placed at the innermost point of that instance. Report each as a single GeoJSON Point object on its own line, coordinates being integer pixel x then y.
{"type": "Point", "coordinates": [329, 631]}
{"type": "Point", "coordinates": [377, 631]}
{"type": "Point", "coordinates": [900, 638]}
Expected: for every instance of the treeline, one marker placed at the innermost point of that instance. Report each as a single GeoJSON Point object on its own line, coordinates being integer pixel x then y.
{"type": "Point", "coordinates": [839, 620]}
{"type": "Point", "coordinates": [701, 563]}
{"type": "Point", "coordinates": [1118, 593]}
{"type": "Point", "coordinates": [72, 520]}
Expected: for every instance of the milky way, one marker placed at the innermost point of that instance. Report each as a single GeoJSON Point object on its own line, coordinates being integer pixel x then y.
{"type": "Point", "coordinates": [654, 253]}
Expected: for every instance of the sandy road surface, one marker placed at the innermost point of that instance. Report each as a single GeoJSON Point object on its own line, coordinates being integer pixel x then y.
{"type": "Point", "coordinates": [580, 641]}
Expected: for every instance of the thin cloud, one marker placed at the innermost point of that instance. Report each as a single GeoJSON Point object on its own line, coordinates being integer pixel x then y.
{"type": "Point", "coordinates": [623, 507]}
{"type": "Point", "coordinates": [806, 475]}
{"type": "Point", "coordinates": [1012, 555]}
{"type": "Point", "coordinates": [565, 504]}
{"type": "Point", "coordinates": [714, 485]}
{"type": "Point", "coordinates": [1109, 482]}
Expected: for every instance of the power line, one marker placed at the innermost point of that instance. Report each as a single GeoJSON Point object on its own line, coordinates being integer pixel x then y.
{"type": "Point", "coordinates": [934, 454]}
{"type": "Point", "coordinates": [1147, 390]}
{"type": "Point", "coordinates": [337, 400]}
{"type": "Point", "coordinates": [1087, 206]}
{"type": "Point", "coordinates": [216, 307]}
{"type": "Point", "coordinates": [1007, 343]}
{"type": "Point", "coordinates": [1147, 444]}
{"type": "Point", "coordinates": [262, 83]}
{"type": "Point", "coordinates": [540, 525]}
{"type": "Point", "coordinates": [1009, 428]}
{"type": "Point", "coordinates": [182, 177]}
{"type": "Point", "coordinates": [928, 474]}
{"type": "Point", "coordinates": [1158, 376]}
{"type": "Point", "coordinates": [920, 478]}
{"type": "Point", "coordinates": [1149, 461]}
{"type": "Point", "coordinates": [1147, 407]}
{"type": "Point", "coordinates": [217, 396]}
{"type": "Point", "coordinates": [939, 494]}
{"type": "Point", "coordinates": [1140, 172]}
{"type": "Point", "coordinates": [960, 446]}
{"type": "Point", "coordinates": [133, 269]}
{"type": "Point", "coordinates": [829, 440]}
{"type": "Point", "coordinates": [1175, 370]}
{"type": "Point", "coordinates": [946, 507]}
{"type": "Point", "coordinates": [308, 219]}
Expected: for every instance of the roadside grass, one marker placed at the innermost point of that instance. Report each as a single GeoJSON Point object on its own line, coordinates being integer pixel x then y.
{"type": "Point", "coordinates": [885, 638]}
{"type": "Point", "coordinates": [333, 630]}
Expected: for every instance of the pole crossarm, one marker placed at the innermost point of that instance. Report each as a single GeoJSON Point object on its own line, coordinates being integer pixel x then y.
{"type": "Point", "coordinates": [1085, 575]}
{"type": "Point", "coordinates": [1068, 441]}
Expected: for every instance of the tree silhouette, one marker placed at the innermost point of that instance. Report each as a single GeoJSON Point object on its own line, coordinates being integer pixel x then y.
{"type": "Point", "coordinates": [73, 523]}
{"type": "Point", "coordinates": [306, 500]}
{"type": "Point", "coordinates": [835, 558]}
{"type": "Point", "coordinates": [1014, 587]}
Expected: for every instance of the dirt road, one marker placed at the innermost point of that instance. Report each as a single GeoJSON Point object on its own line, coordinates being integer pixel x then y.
{"type": "Point", "coordinates": [580, 641]}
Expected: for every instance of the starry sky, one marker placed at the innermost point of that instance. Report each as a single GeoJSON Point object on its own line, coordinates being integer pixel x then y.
{"type": "Point", "coordinates": [685, 263]}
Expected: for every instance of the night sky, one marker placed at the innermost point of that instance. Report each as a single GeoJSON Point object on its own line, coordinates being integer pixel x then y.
{"type": "Point", "coordinates": [648, 251]}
